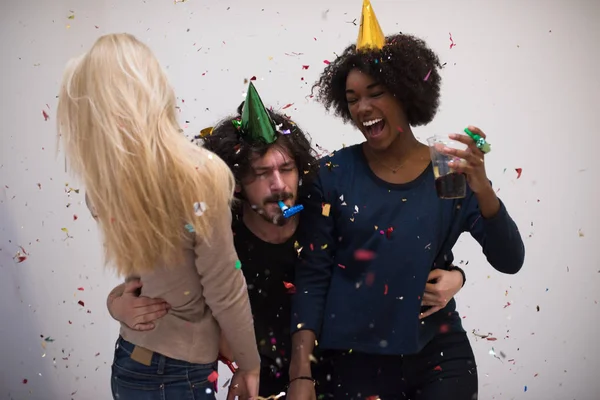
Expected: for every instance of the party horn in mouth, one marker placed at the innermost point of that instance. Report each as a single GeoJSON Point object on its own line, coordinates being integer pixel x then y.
{"type": "Point", "coordinates": [289, 211]}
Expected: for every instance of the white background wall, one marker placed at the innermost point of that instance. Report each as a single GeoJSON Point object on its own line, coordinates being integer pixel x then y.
{"type": "Point", "coordinates": [525, 71]}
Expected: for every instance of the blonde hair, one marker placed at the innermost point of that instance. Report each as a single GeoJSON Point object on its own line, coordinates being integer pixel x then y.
{"type": "Point", "coordinates": [149, 185]}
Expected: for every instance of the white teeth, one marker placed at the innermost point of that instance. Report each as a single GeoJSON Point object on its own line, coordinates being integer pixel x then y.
{"type": "Point", "coordinates": [372, 122]}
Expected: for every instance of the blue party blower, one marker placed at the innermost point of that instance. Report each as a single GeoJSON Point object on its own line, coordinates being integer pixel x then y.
{"type": "Point", "coordinates": [287, 211]}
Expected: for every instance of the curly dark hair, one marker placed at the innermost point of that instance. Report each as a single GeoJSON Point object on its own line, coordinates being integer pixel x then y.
{"type": "Point", "coordinates": [238, 153]}
{"type": "Point", "coordinates": [406, 66]}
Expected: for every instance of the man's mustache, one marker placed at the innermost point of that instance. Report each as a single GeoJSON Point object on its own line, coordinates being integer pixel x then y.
{"type": "Point", "coordinates": [279, 197]}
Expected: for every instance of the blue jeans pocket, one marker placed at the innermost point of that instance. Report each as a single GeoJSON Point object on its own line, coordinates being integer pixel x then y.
{"type": "Point", "coordinates": [172, 380]}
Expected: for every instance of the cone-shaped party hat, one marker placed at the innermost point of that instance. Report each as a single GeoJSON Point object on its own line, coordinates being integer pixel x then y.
{"type": "Point", "coordinates": [256, 124]}
{"type": "Point", "coordinates": [370, 35]}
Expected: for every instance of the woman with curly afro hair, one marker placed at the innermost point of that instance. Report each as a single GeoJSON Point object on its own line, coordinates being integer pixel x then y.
{"type": "Point", "coordinates": [375, 280]}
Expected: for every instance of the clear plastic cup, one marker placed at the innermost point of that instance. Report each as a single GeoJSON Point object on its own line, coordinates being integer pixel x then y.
{"type": "Point", "coordinates": [449, 184]}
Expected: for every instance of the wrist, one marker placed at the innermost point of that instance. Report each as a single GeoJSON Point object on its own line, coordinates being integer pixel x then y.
{"type": "Point", "coordinates": [299, 369]}
{"type": "Point", "coordinates": [460, 274]}
{"type": "Point", "coordinates": [305, 379]}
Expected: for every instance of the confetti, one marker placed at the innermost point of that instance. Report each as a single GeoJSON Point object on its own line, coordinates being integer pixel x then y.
{"type": "Point", "coordinates": [519, 171]}
{"type": "Point", "coordinates": [437, 368]}
{"type": "Point", "coordinates": [81, 303]}
{"type": "Point", "coordinates": [580, 233]}
{"type": "Point", "coordinates": [326, 208]}
{"type": "Point", "coordinates": [388, 232]}
{"type": "Point", "coordinates": [537, 308]}
{"type": "Point", "coordinates": [80, 289]}
{"type": "Point", "coordinates": [213, 376]}
{"type": "Point", "coordinates": [25, 381]}
{"type": "Point", "coordinates": [427, 76]}
{"type": "Point", "coordinates": [45, 115]}
{"type": "Point", "coordinates": [305, 67]}
{"type": "Point", "coordinates": [364, 255]}
{"type": "Point", "coordinates": [452, 44]}
{"type": "Point", "coordinates": [238, 264]}
{"type": "Point", "coordinates": [199, 208]}
{"type": "Point", "coordinates": [327, 62]}
{"type": "Point", "coordinates": [190, 228]}
{"type": "Point", "coordinates": [291, 289]}
{"type": "Point", "coordinates": [385, 289]}
{"type": "Point", "coordinates": [287, 106]}
{"type": "Point", "coordinates": [75, 217]}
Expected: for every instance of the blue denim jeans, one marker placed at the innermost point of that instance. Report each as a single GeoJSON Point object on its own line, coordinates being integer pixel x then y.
{"type": "Point", "coordinates": [164, 379]}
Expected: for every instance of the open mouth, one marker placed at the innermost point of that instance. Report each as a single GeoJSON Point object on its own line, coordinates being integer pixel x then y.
{"type": "Point", "coordinates": [374, 127]}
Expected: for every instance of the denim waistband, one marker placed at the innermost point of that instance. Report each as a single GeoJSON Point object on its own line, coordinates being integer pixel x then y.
{"type": "Point", "coordinates": [160, 359]}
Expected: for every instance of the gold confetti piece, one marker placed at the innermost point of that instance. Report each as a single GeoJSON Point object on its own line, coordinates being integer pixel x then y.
{"type": "Point", "coordinates": [376, 227]}
{"type": "Point", "coordinates": [324, 246]}
{"type": "Point", "coordinates": [65, 230]}
{"type": "Point", "coordinates": [187, 292]}
{"type": "Point", "coordinates": [72, 16]}
{"type": "Point", "coordinates": [580, 232]}
{"type": "Point", "coordinates": [326, 209]}
{"type": "Point", "coordinates": [270, 58]}
{"type": "Point", "coordinates": [206, 132]}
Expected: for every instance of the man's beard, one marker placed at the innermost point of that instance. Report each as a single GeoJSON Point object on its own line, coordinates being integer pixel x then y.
{"type": "Point", "coordinates": [276, 218]}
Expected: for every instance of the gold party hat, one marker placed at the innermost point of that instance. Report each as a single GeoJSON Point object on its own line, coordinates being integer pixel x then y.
{"type": "Point", "coordinates": [370, 35]}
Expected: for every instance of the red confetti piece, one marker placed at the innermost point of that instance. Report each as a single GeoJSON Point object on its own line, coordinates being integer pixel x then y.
{"type": "Point", "coordinates": [438, 368]}
{"type": "Point", "coordinates": [97, 354]}
{"type": "Point", "coordinates": [519, 171]}
{"type": "Point", "coordinates": [364, 255]}
{"type": "Point", "coordinates": [507, 304]}
{"type": "Point", "coordinates": [452, 44]}
{"type": "Point", "coordinates": [491, 339]}
{"type": "Point", "coordinates": [45, 115]}
{"type": "Point", "coordinates": [70, 323]}
{"type": "Point", "coordinates": [213, 376]}
{"type": "Point", "coordinates": [253, 78]}
{"type": "Point", "coordinates": [80, 288]}
{"type": "Point", "coordinates": [427, 76]}
{"type": "Point", "coordinates": [25, 381]}
{"type": "Point", "coordinates": [370, 278]}
{"type": "Point", "coordinates": [385, 289]}
{"type": "Point", "coordinates": [342, 266]}
{"type": "Point", "coordinates": [291, 289]}
{"type": "Point", "coordinates": [20, 259]}
{"type": "Point", "coordinates": [75, 217]}
{"type": "Point", "coordinates": [305, 67]}
{"type": "Point", "coordinates": [287, 106]}
{"type": "Point", "coordinates": [388, 232]}
{"type": "Point", "coordinates": [312, 247]}
{"type": "Point", "coordinates": [326, 62]}
{"type": "Point", "coordinates": [81, 303]}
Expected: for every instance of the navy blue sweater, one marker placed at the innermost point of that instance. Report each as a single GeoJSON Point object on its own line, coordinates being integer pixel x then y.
{"type": "Point", "coordinates": [362, 269]}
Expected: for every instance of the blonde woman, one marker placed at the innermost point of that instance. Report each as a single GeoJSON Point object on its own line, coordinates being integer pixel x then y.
{"type": "Point", "coordinates": [163, 206]}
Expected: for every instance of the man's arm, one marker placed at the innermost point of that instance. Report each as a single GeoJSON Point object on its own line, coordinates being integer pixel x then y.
{"type": "Point", "coordinates": [139, 313]}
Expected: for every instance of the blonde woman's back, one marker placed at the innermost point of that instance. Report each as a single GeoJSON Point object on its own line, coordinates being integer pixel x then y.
{"type": "Point", "coordinates": [161, 202]}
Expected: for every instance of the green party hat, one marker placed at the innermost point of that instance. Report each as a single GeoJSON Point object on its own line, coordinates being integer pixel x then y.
{"type": "Point", "coordinates": [256, 124]}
